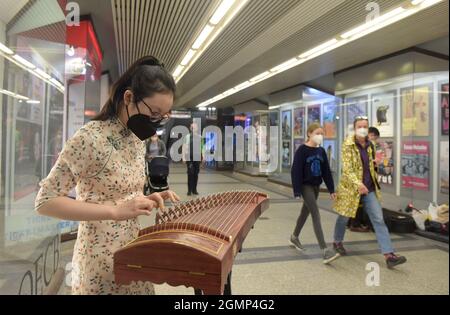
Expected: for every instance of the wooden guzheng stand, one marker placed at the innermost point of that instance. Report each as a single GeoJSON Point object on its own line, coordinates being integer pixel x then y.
{"type": "Point", "coordinates": [193, 243]}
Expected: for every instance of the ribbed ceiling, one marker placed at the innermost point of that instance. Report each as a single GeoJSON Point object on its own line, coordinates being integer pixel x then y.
{"type": "Point", "coordinates": [161, 28]}
{"type": "Point", "coordinates": [254, 19]}
{"type": "Point", "coordinates": [305, 25]}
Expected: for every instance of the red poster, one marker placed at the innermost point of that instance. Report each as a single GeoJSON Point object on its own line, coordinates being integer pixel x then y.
{"type": "Point", "coordinates": [416, 165]}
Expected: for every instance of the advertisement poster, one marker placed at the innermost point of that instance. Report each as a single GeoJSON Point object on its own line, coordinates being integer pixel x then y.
{"type": "Point", "coordinates": [329, 120]}
{"type": "Point", "coordinates": [444, 109]}
{"type": "Point", "coordinates": [299, 123]}
{"type": "Point", "coordinates": [356, 106]}
{"type": "Point", "coordinates": [286, 154]}
{"type": "Point", "coordinates": [263, 147]}
{"type": "Point", "coordinates": [286, 124]}
{"type": "Point", "coordinates": [298, 143]}
{"type": "Point", "coordinates": [330, 149]}
{"type": "Point", "coordinates": [383, 106]}
{"type": "Point", "coordinates": [313, 114]}
{"type": "Point", "coordinates": [384, 158]}
{"type": "Point", "coordinates": [416, 165]}
{"type": "Point", "coordinates": [416, 111]}
{"type": "Point", "coordinates": [444, 168]}
{"type": "Point", "coordinates": [257, 125]}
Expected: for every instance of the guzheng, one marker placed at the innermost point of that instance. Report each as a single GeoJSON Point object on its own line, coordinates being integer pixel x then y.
{"type": "Point", "coordinates": [193, 243]}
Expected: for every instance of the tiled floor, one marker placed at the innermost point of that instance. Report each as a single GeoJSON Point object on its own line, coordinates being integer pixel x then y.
{"type": "Point", "coordinates": [268, 265]}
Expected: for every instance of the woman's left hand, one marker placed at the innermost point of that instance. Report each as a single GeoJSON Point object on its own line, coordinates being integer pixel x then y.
{"type": "Point", "coordinates": [333, 196]}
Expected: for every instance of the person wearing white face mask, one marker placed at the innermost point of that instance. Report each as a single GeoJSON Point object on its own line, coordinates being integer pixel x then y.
{"type": "Point", "coordinates": [309, 170]}
{"type": "Point", "coordinates": [359, 183]}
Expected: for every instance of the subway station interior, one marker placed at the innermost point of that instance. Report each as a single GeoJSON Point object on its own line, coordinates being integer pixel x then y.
{"type": "Point", "coordinates": [218, 147]}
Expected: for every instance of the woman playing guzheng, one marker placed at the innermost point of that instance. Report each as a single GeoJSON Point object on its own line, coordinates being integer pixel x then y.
{"type": "Point", "coordinates": [309, 170]}
{"type": "Point", "coordinates": [105, 161]}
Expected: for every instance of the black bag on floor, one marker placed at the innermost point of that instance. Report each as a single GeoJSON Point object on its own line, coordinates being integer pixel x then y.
{"type": "Point", "coordinates": [399, 223]}
{"type": "Point", "coordinates": [436, 227]}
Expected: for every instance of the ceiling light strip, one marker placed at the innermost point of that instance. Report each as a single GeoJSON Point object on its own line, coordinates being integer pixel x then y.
{"type": "Point", "coordinates": [222, 16]}
{"type": "Point", "coordinates": [407, 9]}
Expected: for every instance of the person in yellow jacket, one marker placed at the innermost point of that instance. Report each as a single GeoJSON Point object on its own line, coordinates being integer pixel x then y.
{"type": "Point", "coordinates": [359, 183]}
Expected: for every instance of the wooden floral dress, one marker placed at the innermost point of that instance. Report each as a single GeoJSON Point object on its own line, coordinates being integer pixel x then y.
{"type": "Point", "coordinates": [105, 162]}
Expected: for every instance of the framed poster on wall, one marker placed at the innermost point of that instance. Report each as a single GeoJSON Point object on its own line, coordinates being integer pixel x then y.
{"type": "Point", "coordinates": [444, 170]}
{"type": "Point", "coordinates": [416, 111]}
{"type": "Point", "coordinates": [384, 158]}
{"type": "Point", "coordinates": [383, 108]}
{"type": "Point", "coordinates": [286, 125]}
{"type": "Point", "coordinates": [416, 165]}
{"type": "Point", "coordinates": [330, 149]}
{"type": "Point", "coordinates": [297, 144]}
{"type": "Point", "coordinates": [314, 114]}
{"type": "Point", "coordinates": [329, 120]}
{"type": "Point", "coordinates": [444, 110]}
{"type": "Point", "coordinates": [286, 153]}
{"type": "Point", "coordinates": [356, 106]}
{"type": "Point", "coordinates": [299, 123]}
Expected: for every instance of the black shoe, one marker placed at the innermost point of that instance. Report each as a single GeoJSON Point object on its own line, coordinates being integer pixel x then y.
{"type": "Point", "coordinates": [340, 249]}
{"type": "Point", "coordinates": [196, 193]}
{"type": "Point", "coordinates": [393, 260]}
{"type": "Point", "coordinates": [189, 193]}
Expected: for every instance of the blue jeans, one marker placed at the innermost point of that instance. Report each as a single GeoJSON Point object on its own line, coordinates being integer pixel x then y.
{"type": "Point", "coordinates": [373, 209]}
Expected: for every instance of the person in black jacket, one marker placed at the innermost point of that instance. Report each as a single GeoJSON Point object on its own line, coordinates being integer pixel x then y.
{"type": "Point", "coordinates": [309, 170]}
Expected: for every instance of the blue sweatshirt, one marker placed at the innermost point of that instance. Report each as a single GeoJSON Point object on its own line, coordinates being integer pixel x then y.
{"type": "Point", "coordinates": [311, 167]}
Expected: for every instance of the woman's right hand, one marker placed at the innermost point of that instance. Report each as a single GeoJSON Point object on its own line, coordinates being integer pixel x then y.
{"type": "Point", "coordinates": [132, 209]}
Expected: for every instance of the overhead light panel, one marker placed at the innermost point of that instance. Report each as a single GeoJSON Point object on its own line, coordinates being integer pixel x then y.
{"type": "Point", "coordinates": [203, 36]}
{"type": "Point", "coordinates": [221, 11]}
{"type": "Point", "coordinates": [33, 102]}
{"type": "Point", "coordinates": [260, 76]}
{"type": "Point", "coordinates": [318, 48]}
{"type": "Point", "coordinates": [375, 22]}
{"type": "Point", "coordinates": [24, 62]}
{"type": "Point", "coordinates": [43, 74]}
{"type": "Point", "coordinates": [285, 65]}
{"type": "Point", "coordinates": [178, 71]}
{"type": "Point", "coordinates": [6, 50]}
{"type": "Point", "coordinates": [190, 54]}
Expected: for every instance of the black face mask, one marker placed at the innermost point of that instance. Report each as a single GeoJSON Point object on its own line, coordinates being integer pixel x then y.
{"type": "Point", "coordinates": [141, 125]}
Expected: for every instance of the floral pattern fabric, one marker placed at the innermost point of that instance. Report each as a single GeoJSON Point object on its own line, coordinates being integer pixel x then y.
{"type": "Point", "coordinates": [348, 197]}
{"type": "Point", "coordinates": [106, 164]}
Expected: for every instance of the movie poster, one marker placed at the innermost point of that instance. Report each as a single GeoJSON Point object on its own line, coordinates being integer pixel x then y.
{"type": "Point", "coordinates": [286, 154]}
{"type": "Point", "coordinates": [384, 158]}
{"type": "Point", "coordinates": [416, 165]}
{"type": "Point", "coordinates": [329, 120]}
{"type": "Point", "coordinates": [416, 111]}
{"type": "Point", "coordinates": [356, 106]}
{"type": "Point", "coordinates": [313, 114]}
{"type": "Point", "coordinates": [286, 125]}
{"type": "Point", "coordinates": [299, 123]}
{"type": "Point", "coordinates": [444, 109]}
{"type": "Point", "coordinates": [298, 143]}
{"type": "Point", "coordinates": [444, 171]}
{"type": "Point", "coordinates": [383, 107]}
{"type": "Point", "coordinates": [330, 149]}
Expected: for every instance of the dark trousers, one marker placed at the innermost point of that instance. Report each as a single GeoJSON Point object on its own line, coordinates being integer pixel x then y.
{"type": "Point", "coordinates": [310, 195]}
{"type": "Point", "coordinates": [193, 168]}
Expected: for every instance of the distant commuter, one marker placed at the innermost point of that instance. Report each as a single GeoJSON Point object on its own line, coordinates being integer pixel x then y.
{"type": "Point", "coordinates": [192, 158]}
{"type": "Point", "coordinates": [155, 147]}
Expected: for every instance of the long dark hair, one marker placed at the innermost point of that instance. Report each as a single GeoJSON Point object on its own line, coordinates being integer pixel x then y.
{"type": "Point", "coordinates": [144, 78]}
